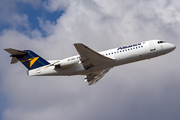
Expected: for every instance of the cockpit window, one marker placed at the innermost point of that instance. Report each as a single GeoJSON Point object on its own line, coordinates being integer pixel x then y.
{"type": "Point", "coordinates": [159, 42]}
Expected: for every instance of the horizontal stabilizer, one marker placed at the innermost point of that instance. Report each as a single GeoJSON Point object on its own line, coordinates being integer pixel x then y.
{"type": "Point", "coordinates": [15, 52]}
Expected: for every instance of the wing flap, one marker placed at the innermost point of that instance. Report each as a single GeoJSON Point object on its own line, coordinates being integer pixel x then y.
{"type": "Point", "coordinates": [93, 78]}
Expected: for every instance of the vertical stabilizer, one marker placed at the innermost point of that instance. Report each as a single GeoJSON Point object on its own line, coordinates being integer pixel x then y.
{"type": "Point", "coordinates": [27, 57]}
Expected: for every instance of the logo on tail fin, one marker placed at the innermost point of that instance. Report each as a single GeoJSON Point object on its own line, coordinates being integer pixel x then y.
{"type": "Point", "coordinates": [32, 60]}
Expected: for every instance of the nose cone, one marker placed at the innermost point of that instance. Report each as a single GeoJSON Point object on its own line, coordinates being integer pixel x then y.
{"type": "Point", "coordinates": [170, 47]}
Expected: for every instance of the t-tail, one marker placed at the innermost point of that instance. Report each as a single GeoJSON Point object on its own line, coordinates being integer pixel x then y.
{"type": "Point", "coordinates": [27, 57]}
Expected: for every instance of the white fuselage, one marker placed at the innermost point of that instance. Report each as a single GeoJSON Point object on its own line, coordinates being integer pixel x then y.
{"type": "Point", "coordinates": [122, 55]}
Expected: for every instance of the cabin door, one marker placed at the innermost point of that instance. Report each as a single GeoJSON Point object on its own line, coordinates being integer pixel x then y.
{"type": "Point", "coordinates": [152, 46]}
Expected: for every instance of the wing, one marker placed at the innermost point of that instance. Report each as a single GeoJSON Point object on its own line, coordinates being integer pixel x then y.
{"type": "Point", "coordinates": [95, 77]}
{"type": "Point", "coordinates": [90, 58]}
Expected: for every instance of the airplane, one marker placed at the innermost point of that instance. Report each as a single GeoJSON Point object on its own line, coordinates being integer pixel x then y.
{"type": "Point", "coordinates": [94, 65]}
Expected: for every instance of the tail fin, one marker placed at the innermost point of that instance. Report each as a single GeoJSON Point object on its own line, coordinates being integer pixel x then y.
{"type": "Point", "coordinates": [27, 57]}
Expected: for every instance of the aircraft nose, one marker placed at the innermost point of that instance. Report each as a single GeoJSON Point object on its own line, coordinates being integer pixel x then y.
{"type": "Point", "coordinates": [171, 47]}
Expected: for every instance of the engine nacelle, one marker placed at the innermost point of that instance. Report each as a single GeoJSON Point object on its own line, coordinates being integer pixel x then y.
{"type": "Point", "coordinates": [66, 63]}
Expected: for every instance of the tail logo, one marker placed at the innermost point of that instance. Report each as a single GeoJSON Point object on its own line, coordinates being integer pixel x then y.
{"type": "Point", "coordinates": [32, 60]}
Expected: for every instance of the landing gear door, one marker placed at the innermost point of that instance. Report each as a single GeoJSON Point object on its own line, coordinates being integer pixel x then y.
{"type": "Point", "coordinates": [152, 46]}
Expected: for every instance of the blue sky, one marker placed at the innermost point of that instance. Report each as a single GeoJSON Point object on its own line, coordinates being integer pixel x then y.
{"type": "Point", "coordinates": [33, 13]}
{"type": "Point", "coordinates": [142, 90]}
